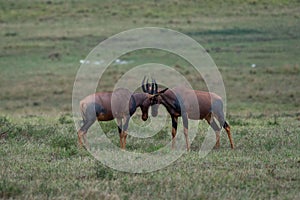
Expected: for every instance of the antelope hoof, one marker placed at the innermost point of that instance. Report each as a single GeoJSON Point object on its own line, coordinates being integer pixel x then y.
{"type": "Point", "coordinates": [80, 144]}
{"type": "Point", "coordinates": [85, 148]}
{"type": "Point", "coordinates": [217, 146]}
{"type": "Point", "coordinates": [80, 140]}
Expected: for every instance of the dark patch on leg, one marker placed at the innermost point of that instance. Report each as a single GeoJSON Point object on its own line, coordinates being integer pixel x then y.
{"type": "Point", "coordinates": [185, 120]}
{"type": "Point", "coordinates": [226, 125]}
{"type": "Point", "coordinates": [126, 124]}
{"type": "Point", "coordinates": [227, 128]}
{"type": "Point", "coordinates": [87, 125]}
{"type": "Point", "coordinates": [92, 111]}
{"type": "Point", "coordinates": [214, 125]}
{"type": "Point", "coordinates": [217, 110]}
{"type": "Point", "coordinates": [174, 130]}
{"type": "Point", "coordinates": [185, 129]}
{"type": "Point", "coordinates": [174, 123]}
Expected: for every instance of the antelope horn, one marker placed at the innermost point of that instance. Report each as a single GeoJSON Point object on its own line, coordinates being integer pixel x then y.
{"type": "Point", "coordinates": [156, 87]}
{"type": "Point", "coordinates": [143, 85]}
{"type": "Point", "coordinates": [152, 86]}
{"type": "Point", "coordinates": [160, 92]}
{"type": "Point", "coordinates": [148, 86]}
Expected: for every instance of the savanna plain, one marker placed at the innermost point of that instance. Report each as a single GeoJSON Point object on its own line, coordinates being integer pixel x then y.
{"type": "Point", "coordinates": [255, 45]}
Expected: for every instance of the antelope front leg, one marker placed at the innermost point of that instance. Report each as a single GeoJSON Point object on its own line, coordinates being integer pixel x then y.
{"type": "Point", "coordinates": [217, 140]}
{"type": "Point", "coordinates": [174, 130]}
{"type": "Point", "coordinates": [185, 130]}
{"type": "Point", "coordinates": [122, 145]}
{"type": "Point", "coordinates": [80, 138]}
{"type": "Point", "coordinates": [120, 129]}
{"type": "Point", "coordinates": [124, 140]}
{"type": "Point", "coordinates": [125, 127]}
{"type": "Point", "coordinates": [82, 141]}
{"type": "Point", "coordinates": [227, 128]}
{"type": "Point", "coordinates": [212, 122]}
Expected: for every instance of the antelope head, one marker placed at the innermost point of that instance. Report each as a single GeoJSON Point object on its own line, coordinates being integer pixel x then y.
{"type": "Point", "coordinates": [152, 90]}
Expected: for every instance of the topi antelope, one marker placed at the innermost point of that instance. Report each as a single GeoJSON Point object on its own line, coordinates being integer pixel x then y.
{"type": "Point", "coordinates": [181, 101]}
{"type": "Point", "coordinates": [105, 106]}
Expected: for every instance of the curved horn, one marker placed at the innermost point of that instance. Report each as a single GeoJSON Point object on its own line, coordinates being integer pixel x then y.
{"type": "Point", "coordinates": [152, 86]}
{"type": "Point", "coordinates": [143, 85]}
{"type": "Point", "coordinates": [147, 86]}
{"type": "Point", "coordinates": [160, 92]}
{"type": "Point", "coordinates": [156, 87]}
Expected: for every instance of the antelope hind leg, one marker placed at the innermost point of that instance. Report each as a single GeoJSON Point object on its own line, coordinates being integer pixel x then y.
{"type": "Point", "coordinates": [82, 141]}
{"type": "Point", "coordinates": [80, 138]}
{"type": "Point", "coordinates": [227, 128]}
{"type": "Point", "coordinates": [217, 145]}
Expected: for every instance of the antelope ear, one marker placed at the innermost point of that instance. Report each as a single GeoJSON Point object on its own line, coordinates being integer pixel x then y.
{"type": "Point", "coordinates": [163, 91]}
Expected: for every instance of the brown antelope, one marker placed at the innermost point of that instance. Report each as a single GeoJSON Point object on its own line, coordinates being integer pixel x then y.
{"type": "Point", "coordinates": [105, 106]}
{"type": "Point", "coordinates": [179, 101]}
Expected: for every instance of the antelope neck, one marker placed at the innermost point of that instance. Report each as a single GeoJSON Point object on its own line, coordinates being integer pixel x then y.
{"type": "Point", "coordinates": [168, 102]}
{"type": "Point", "coordinates": [139, 98]}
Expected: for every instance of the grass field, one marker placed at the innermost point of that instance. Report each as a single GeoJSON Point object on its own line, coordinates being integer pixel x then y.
{"type": "Point", "coordinates": [41, 45]}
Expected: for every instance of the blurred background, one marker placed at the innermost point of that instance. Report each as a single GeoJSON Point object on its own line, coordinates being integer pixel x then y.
{"type": "Point", "coordinates": [255, 44]}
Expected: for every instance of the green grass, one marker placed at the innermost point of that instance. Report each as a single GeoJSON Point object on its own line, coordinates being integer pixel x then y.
{"type": "Point", "coordinates": [41, 45]}
{"type": "Point", "coordinates": [41, 159]}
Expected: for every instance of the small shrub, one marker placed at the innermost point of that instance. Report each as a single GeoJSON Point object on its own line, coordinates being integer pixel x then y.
{"type": "Point", "coordinates": [269, 145]}
{"type": "Point", "coordinates": [65, 119]}
{"type": "Point", "coordinates": [28, 131]}
{"type": "Point", "coordinates": [40, 131]}
{"type": "Point", "coordinates": [238, 122]}
{"type": "Point", "coordinates": [4, 120]}
{"type": "Point", "coordinates": [64, 146]}
{"type": "Point", "coordinates": [162, 135]}
{"type": "Point", "coordinates": [103, 172]}
{"type": "Point", "coordinates": [47, 189]}
{"type": "Point", "coordinates": [153, 148]}
{"type": "Point", "coordinates": [274, 122]}
{"type": "Point", "coordinates": [5, 127]}
{"type": "Point", "coordinates": [8, 189]}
